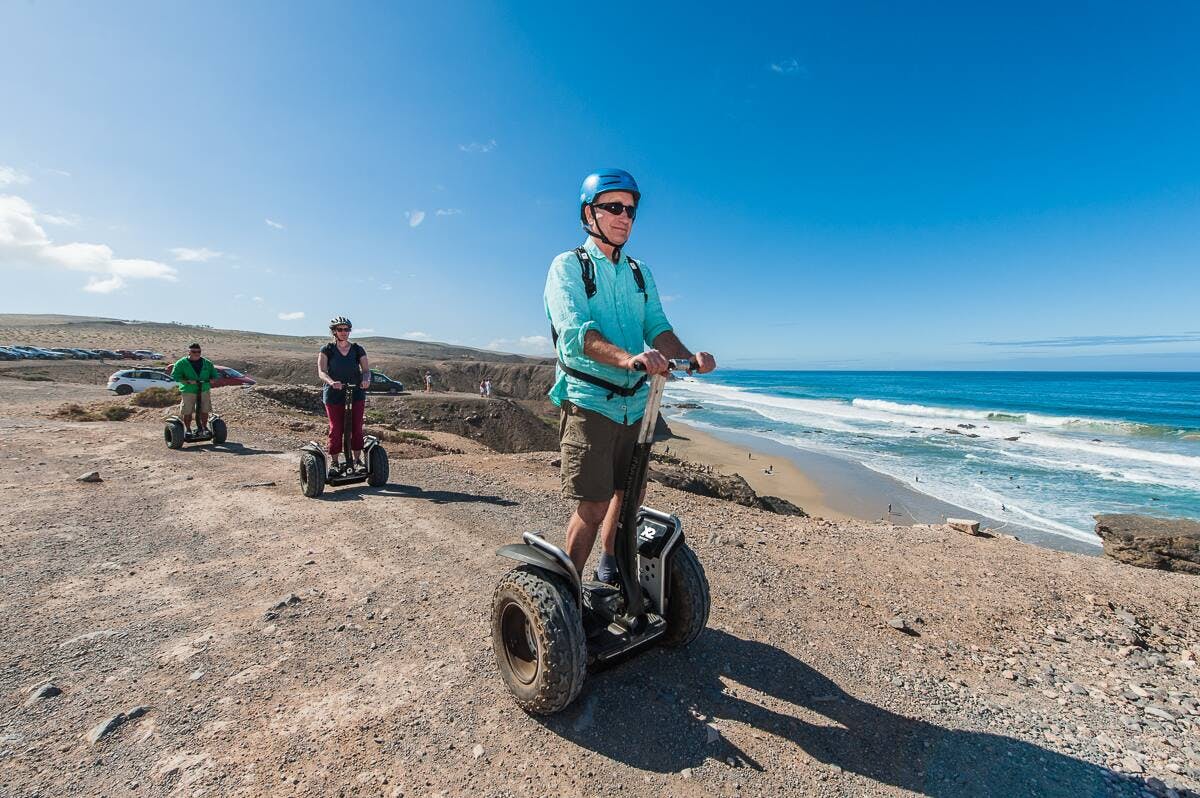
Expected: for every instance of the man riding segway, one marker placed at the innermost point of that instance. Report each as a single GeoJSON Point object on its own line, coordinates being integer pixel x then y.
{"type": "Point", "coordinates": [194, 374]}
{"type": "Point", "coordinates": [549, 624]}
{"type": "Point", "coordinates": [601, 398]}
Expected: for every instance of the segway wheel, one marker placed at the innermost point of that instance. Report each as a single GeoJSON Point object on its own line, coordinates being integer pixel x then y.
{"type": "Point", "coordinates": [173, 434]}
{"type": "Point", "coordinates": [377, 467]}
{"type": "Point", "coordinates": [687, 599]}
{"type": "Point", "coordinates": [538, 638]}
{"type": "Point", "coordinates": [312, 479]}
{"type": "Point", "coordinates": [219, 431]}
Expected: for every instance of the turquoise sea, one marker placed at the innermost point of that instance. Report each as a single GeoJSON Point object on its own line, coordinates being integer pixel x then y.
{"type": "Point", "coordinates": [1035, 450]}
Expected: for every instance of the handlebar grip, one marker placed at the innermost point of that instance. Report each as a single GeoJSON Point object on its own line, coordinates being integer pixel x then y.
{"type": "Point", "coordinates": [672, 365]}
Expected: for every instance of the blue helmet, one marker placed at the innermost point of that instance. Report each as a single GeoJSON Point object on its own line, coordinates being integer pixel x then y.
{"type": "Point", "coordinates": [604, 180]}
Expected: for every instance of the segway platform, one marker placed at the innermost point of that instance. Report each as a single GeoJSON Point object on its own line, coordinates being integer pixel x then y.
{"type": "Point", "coordinates": [175, 434]}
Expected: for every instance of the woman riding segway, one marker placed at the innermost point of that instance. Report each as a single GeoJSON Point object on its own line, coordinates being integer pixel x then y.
{"type": "Point", "coordinates": [342, 364]}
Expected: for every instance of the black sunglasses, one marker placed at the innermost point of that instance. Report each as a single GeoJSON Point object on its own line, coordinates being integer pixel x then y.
{"type": "Point", "coordinates": [616, 209]}
{"type": "Point", "coordinates": [341, 329]}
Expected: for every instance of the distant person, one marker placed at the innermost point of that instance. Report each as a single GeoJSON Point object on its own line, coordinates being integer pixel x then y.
{"type": "Point", "coordinates": [482, 389]}
{"type": "Point", "coordinates": [487, 387]}
{"type": "Point", "coordinates": [341, 364]}
{"type": "Point", "coordinates": [194, 374]}
{"type": "Point", "coordinates": [428, 382]}
{"type": "Point", "coordinates": [604, 309]}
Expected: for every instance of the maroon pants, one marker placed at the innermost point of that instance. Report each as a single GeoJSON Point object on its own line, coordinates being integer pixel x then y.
{"type": "Point", "coordinates": [337, 416]}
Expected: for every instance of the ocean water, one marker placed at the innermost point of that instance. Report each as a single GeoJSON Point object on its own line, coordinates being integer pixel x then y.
{"type": "Point", "coordinates": [1035, 450]}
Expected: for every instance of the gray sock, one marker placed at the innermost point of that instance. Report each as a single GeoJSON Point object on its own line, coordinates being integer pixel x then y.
{"type": "Point", "coordinates": [607, 569]}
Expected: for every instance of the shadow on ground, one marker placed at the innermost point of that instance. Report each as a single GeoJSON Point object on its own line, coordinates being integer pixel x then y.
{"type": "Point", "coordinates": [640, 714]}
{"type": "Point", "coordinates": [333, 493]}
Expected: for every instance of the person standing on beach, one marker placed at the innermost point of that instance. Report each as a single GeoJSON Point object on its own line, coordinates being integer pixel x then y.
{"type": "Point", "coordinates": [604, 309]}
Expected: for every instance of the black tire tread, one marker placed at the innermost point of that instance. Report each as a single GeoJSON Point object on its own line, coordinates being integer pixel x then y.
{"type": "Point", "coordinates": [559, 629]}
{"type": "Point", "coordinates": [174, 434]}
{"type": "Point", "coordinates": [312, 482]}
{"type": "Point", "coordinates": [378, 476]}
{"type": "Point", "coordinates": [688, 599]}
{"type": "Point", "coordinates": [220, 432]}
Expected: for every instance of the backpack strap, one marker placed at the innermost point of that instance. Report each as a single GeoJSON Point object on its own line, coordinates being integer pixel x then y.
{"type": "Point", "coordinates": [638, 277]}
{"type": "Point", "coordinates": [588, 270]}
{"type": "Point", "coordinates": [588, 274]}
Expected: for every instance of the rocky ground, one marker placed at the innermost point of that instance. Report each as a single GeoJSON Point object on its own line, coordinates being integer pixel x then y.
{"type": "Point", "coordinates": [191, 625]}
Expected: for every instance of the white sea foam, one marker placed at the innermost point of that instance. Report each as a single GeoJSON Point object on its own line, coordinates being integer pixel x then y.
{"type": "Point", "coordinates": [1057, 444]}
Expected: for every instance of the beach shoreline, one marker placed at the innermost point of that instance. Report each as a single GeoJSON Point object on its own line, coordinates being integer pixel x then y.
{"type": "Point", "coordinates": [832, 487]}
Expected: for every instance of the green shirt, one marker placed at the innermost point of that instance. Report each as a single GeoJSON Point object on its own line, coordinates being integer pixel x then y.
{"type": "Point", "coordinates": [203, 374]}
{"type": "Point", "coordinates": [619, 312]}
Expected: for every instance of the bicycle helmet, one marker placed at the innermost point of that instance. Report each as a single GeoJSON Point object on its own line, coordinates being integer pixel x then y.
{"type": "Point", "coordinates": [337, 321]}
{"type": "Point", "coordinates": [598, 183]}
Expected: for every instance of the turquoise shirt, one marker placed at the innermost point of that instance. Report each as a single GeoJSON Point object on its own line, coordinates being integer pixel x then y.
{"type": "Point", "coordinates": [619, 312]}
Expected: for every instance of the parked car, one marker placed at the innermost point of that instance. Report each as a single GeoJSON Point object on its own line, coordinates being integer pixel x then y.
{"type": "Point", "coordinates": [12, 353]}
{"type": "Point", "coordinates": [105, 354]}
{"type": "Point", "coordinates": [130, 381]}
{"type": "Point", "coordinates": [77, 354]}
{"type": "Point", "coordinates": [382, 383]}
{"type": "Point", "coordinates": [127, 354]}
{"type": "Point", "coordinates": [225, 376]}
{"type": "Point", "coordinates": [41, 354]}
{"type": "Point", "coordinates": [148, 354]}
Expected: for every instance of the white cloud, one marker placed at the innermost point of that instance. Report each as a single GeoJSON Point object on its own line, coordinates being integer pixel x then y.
{"type": "Point", "coordinates": [239, 296]}
{"type": "Point", "coordinates": [475, 146]}
{"type": "Point", "coordinates": [275, 224]}
{"type": "Point", "coordinates": [62, 221]}
{"type": "Point", "coordinates": [192, 255]}
{"type": "Point", "coordinates": [447, 211]}
{"type": "Point", "coordinates": [414, 217]}
{"type": "Point", "coordinates": [415, 335]}
{"type": "Point", "coordinates": [385, 287]}
{"type": "Point", "coordinates": [106, 285]}
{"type": "Point", "coordinates": [293, 316]}
{"type": "Point", "coordinates": [665, 298]}
{"type": "Point", "coordinates": [258, 299]}
{"type": "Point", "coordinates": [525, 345]}
{"type": "Point", "coordinates": [23, 240]}
{"type": "Point", "coordinates": [59, 172]}
{"type": "Point", "coordinates": [10, 176]}
{"type": "Point", "coordinates": [788, 66]}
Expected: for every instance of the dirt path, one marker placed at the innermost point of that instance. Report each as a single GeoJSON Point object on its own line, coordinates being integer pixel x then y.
{"type": "Point", "coordinates": [283, 646]}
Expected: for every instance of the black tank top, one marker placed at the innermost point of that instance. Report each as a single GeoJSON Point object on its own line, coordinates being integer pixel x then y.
{"type": "Point", "coordinates": [343, 368]}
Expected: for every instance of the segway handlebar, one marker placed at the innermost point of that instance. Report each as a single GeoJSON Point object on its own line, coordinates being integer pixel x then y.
{"type": "Point", "coordinates": [672, 365]}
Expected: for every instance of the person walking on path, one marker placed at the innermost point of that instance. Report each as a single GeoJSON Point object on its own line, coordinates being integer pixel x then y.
{"type": "Point", "coordinates": [194, 374]}
{"type": "Point", "coordinates": [428, 382]}
{"type": "Point", "coordinates": [487, 387]}
{"type": "Point", "coordinates": [341, 364]}
{"type": "Point", "coordinates": [604, 309]}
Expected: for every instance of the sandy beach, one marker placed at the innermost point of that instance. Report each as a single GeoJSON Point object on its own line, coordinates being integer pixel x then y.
{"type": "Point", "coordinates": [785, 479]}
{"type": "Point", "coordinates": [832, 487]}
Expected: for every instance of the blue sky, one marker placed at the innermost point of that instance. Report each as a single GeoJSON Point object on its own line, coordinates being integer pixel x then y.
{"type": "Point", "coordinates": [867, 186]}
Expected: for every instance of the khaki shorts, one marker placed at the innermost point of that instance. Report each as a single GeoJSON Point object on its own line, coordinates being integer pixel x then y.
{"type": "Point", "coordinates": [187, 406]}
{"type": "Point", "coordinates": [595, 453]}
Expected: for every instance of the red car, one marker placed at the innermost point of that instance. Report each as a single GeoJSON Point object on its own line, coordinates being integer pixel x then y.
{"type": "Point", "coordinates": [226, 376]}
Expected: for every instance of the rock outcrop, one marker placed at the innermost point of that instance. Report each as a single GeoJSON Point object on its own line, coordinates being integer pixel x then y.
{"type": "Point", "coordinates": [732, 488]}
{"type": "Point", "coordinates": [1169, 544]}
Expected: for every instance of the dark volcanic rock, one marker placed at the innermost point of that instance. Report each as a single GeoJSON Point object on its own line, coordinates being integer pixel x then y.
{"type": "Point", "coordinates": [732, 488]}
{"type": "Point", "coordinates": [1170, 544]}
